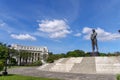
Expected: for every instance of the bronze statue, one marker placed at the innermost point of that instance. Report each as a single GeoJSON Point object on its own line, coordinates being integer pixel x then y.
{"type": "Point", "coordinates": [94, 41]}
{"type": "Point", "coordinates": [119, 31]}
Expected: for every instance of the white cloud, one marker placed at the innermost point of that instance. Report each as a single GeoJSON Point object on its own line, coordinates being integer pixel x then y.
{"type": "Point", "coordinates": [54, 28]}
{"type": "Point", "coordinates": [102, 34]}
{"type": "Point", "coordinates": [23, 37]}
{"type": "Point", "coordinates": [4, 26]}
{"type": "Point", "coordinates": [86, 30]}
{"type": "Point", "coordinates": [77, 34]}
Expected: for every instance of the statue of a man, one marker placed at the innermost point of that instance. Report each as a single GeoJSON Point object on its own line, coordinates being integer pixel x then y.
{"type": "Point", "coordinates": [119, 31]}
{"type": "Point", "coordinates": [94, 41]}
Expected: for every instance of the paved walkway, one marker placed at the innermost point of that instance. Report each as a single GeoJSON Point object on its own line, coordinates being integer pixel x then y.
{"type": "Point", "coordinates": [32, 71]}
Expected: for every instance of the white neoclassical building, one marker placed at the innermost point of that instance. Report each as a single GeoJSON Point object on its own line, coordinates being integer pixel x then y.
{"type": "Point", "coordinates": [37, 53]}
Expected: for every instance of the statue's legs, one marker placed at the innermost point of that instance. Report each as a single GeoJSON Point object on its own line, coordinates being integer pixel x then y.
{"type": "Point", "coordinates": [96, 45]}
{"type": "Point", "coordinates": [93, 46]}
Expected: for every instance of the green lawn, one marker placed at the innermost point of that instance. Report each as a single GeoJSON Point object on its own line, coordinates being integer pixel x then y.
{"type": "Point", "coordinates": [118, 77]}
{"type": "Point", "coordinates": [19, 77]}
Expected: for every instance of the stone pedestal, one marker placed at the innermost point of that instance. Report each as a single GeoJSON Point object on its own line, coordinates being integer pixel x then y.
{"type": "Point", "coordinates": [94, 54]}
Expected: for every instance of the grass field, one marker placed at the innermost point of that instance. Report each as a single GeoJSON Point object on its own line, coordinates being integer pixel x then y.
{"type": "Point", "coordinates": [118, 77]}
{"type": "Point", "coordinates": [19, 77]}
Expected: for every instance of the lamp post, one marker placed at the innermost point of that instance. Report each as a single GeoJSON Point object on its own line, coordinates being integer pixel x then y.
{"type": "Point", "coordinates": [6, 61]}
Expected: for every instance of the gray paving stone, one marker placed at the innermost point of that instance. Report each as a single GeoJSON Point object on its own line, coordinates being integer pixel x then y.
{"type": "Point", "coordinates": [32, 71]}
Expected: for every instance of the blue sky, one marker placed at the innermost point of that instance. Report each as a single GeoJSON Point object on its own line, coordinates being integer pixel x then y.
{"type": "Point", "coordinates": [61, 25]}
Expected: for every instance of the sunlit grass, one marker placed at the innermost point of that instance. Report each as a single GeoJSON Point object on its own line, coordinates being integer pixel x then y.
{"type": "Point", "coordinates": [19, 77]}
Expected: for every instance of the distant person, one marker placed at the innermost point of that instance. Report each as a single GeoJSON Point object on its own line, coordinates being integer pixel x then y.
{"type": "Point", "coordinates": [94, 40]}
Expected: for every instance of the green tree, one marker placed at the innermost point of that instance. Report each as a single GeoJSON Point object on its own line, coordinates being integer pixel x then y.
{"type": "Point", "coordinates": [13, 61]}
{"type": "Point", "coordinates": [1, 65]}
{"type": "Point", "coordinates": [102, 54]}
{"type": "Point", "coordinates": [3, 55]}
{"type": "Point", "coordinates": [3, 51]}
{"type": "Point", "coordinates": [76, 53]}
{"type": "Point", "coordinates": [51, 57]}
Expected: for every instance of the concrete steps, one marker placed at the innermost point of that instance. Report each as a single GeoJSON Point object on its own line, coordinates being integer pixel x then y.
{"type": "Point", "coordinates": [64, 60]}
{"type": "Point", "coordinates": [107, 65]}
{"type": "Point", "coordinates": [65, 65]}
{"type": "Point", "coordinates": [87, 65]}
{"type": "Point", "coordinates": [61, 67]}
{"type": "Point", "coordinates": [74, 60]}
{"type": "Point", "coordinates": [46, 67]}
{"type": "Point", "coordinates": [58, 61]}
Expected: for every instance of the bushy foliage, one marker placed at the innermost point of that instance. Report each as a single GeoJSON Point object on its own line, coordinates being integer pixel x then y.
{"type": "Point", "coordinates": [102, 54]}
{"type": "Point", "coordinates": [76, 53]}
{"type": "Point", "coordinates": [118, 77]}
{"type": "Point", "coordinates": [13, 61]}
{"type": "Point", "coordinates": [1, 65]}
{"type": "Point", "coordinates": [51, 58]}
{"type": "Point", "coordinates": [3, 51]}
{"type": "Point", "coordinates": [3, 55]}
{"type": "Point", "coordinates": [37, 63]}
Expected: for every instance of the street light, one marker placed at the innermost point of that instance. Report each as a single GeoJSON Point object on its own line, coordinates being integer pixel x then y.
{"type": "Point", "coordinates": [6, 61]}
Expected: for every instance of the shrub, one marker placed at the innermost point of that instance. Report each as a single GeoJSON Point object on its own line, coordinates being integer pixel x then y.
{"type": "Point", "coordinates": [118, 77]}
{"type": "Point", "coordinates": [13, 62]}
{"type": "Point", "coordinates": [76, 53]}
{"type": "Point", "coordinates": [1, 65]}
{"type": "Point", "coordinates": [37, 63]}
{"type": "Point", "coordinates": [50, 59]}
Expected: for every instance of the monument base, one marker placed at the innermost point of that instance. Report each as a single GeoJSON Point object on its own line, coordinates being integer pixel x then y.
{"type": "Point", "coordinates": [94, 54]}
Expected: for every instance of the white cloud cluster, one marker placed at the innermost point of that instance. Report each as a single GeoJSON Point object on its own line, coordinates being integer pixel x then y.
{"type": "Point", "coordinates": [23, 37]}
{"type": "Point", "coordinates": [77, 34]}
{"type": "Point", "coordinates": [2, 24]}
{"type": "Point", "coordinates": [102, 34]}
{"type": "Point", "coordinates": [54, 28]}
{"type": "Point", "coordinates": [87, 32]}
